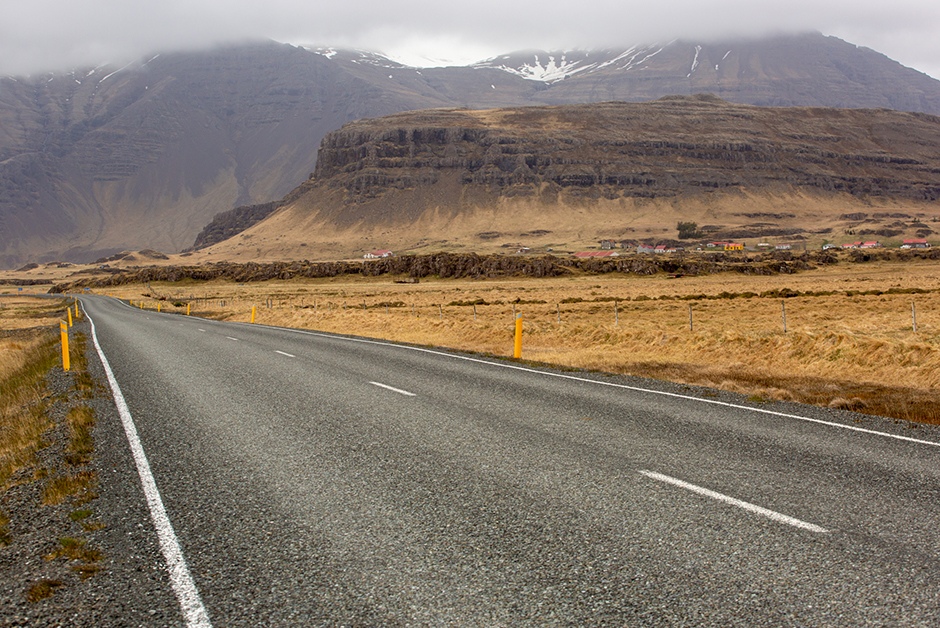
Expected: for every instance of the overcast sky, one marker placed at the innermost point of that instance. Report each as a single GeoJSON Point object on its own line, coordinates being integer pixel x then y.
{"type": "Point", "coordinates": [40, 35]}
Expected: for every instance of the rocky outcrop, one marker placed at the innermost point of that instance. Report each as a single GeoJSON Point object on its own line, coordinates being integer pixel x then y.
{"type": "Point", "coordinates": [473, 266]}
{"type": "Point", "coordinates": [673, 146]}
{"type": "Point", "coordinates": [230, 223]}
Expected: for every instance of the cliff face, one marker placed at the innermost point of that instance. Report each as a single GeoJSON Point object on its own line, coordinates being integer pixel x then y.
{"type": "Point", "coordinates": [671, 147]}
{"type": "Point", "coordinates": [563, 178]}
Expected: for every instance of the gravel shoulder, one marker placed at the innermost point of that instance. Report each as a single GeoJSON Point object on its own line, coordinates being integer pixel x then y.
{"type": "Point", "coordinates": [127, 585]}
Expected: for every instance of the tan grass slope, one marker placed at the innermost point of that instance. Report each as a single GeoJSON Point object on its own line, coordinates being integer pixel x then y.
{"type": "Point", "coordinates": [564, 178]}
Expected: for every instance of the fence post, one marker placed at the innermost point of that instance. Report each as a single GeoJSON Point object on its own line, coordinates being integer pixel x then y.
{"type": "Point", "coordinates": [914, 316]}
{"type": "Point", "coordinates": [474, 311]}
{"type": "Point", "coordinates": [616, 315]}
{"type": "Point", "coordinates": [64, 333]}
{"type": "Point", "coordinates": [441, 307]}
{"type": "Point", "coordinates": [783, 305]}
{"type": "Point", "coordinates": [690, 317]}
{"type": "Point", "coordinates": [558, 312]}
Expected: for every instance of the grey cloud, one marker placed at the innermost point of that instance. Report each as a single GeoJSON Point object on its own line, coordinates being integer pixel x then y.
{"type": "Point", "coordinates": [54, 34]}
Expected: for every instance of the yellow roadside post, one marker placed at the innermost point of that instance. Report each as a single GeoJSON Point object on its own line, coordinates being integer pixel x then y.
{"type": "Point", "coordinates": [158, 306]}
{"type": "Point", "coordinates": [64, 333]}
{"type": "Point", "coordinates": [76, 309]}
{"type": "Point", "coordinates": [187, 309]}
{"type": "Point", "coordinates": [69, 310]}
{"type": "Point", "coordinates": [252, 313]}
{"type": "Point", "coordinates": [517, 351]}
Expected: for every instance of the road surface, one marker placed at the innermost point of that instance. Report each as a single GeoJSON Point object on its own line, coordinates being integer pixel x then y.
{"type": "Point", "coordinates": [313, 479]}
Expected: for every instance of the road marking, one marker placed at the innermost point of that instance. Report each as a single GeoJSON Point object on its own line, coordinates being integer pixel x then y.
{"type": "Point", "coordinates": [398, 390]}
{"type": "Point", "coordinates": [230, 338]}
{"type": "Point", "coordinates": [201, 329]}
{"type": "Point", "coordinates": [287, 354]}
{"type": "Point", "coordinates": [194, 613]}
{"type": "Point", "coordinates": [770, 514]}
{"type": "Point", "coordinates": [515, 367]}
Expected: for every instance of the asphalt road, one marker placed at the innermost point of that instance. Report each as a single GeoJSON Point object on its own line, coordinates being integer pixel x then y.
{"type": "Point", "coordinates": [313, 479]}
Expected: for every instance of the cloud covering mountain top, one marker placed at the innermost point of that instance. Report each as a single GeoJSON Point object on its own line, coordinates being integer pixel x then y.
{"type": "Point", "coordinates": [55, 34]}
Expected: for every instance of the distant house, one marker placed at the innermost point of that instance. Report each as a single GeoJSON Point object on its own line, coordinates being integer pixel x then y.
{"type": "Point", "coordinates": [717, 245]}
{"type": "Point", "coordinates": [378, 254]}
{"type": "Point", "coordinates": [826, 247]}
{"type": "Point", "coordinates": [870, 245]}
{"type": "Point", "coordinates": [854, 245]}
{"type": "Point", "coordinates": [597, 254]}
{"type": "Point", "coordinates": [915, 244]}
{"type": "Point", "coordinates": [783, 247]}
{"type": "Point", "coordinates": [607, 245]}
{"type": "Point", "coordinates": [644, 248]}
{"type": "Point", "coordinates": [660, 248]}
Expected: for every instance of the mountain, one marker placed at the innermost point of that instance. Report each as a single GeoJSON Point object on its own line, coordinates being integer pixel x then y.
{"type": "Point", "coordinates": [803, 70]}
{"type": "Point", "coordinates": [565, 177]}
{"type": "Point", "coordinates": [106, 159]}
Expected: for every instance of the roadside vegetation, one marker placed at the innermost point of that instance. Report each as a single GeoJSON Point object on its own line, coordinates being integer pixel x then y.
{"type": "Point", "coordinates": [840, 335]}
{"type": "Point", "coordinates": [47, 482]}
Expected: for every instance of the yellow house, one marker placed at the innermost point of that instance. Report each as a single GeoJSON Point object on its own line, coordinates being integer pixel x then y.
{"type": "Point", "coordinates": [730, 246]}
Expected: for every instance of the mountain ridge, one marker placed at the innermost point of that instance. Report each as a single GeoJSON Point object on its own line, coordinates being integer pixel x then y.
{"type": "Point", "coordinates": [106, 159]}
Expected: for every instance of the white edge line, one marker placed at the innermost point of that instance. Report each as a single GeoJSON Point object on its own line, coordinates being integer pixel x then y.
{"type": "Point", "coordinates": [230, 338]}
{"type": "Point", "coordinates": [611, 384]}
{"type": "Point", "coordinates": [194, 612]}
{"type": "Point", "coordinates": [765, 512]}
{"type": "Point", "coordinates": [290, 355]}
{"type": "Point", "coordinates": [398, 390]}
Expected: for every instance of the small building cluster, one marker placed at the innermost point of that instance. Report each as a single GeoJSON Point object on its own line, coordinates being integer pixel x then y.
{"type": "Point", "coordinates": [378, 254]}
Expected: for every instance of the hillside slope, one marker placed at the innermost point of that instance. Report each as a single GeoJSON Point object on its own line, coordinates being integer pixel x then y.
{"type": "Point", "coordinates": [567, 176]}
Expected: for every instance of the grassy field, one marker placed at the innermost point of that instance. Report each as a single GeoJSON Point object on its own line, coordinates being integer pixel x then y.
{"type": "Point", "coordinates": [840, 336]}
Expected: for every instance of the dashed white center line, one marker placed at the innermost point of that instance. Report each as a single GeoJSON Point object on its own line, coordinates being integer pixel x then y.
{"type": "Point", "coordinates": [230, 338]}
{"type": "Point", "coordinates": [398, 390]}
{"type": "Point", "coordinates": [201, 329]}
{"type": "Point", "coordinates": [770, 514]}
{"type": "Point", "coordinates": [287, 354]}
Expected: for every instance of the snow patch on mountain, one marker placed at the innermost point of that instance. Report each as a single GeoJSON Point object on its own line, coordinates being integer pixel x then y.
{"type": "Point", "coordinates": [698, 49]}
{"type": "Point", "coordinates": [551, 67]}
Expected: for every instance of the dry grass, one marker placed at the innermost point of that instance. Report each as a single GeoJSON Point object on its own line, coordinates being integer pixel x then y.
{"type": "Point", "coordinates": [76, 550]}
{"type": "Point", "coordinates": [30, 341]}
{"type": "Point", "coordinates": [849, 340]}
{"type": "Point", "coordinates": [42, 589]}
{"type": "Point", "coordinates": [28, 349]}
